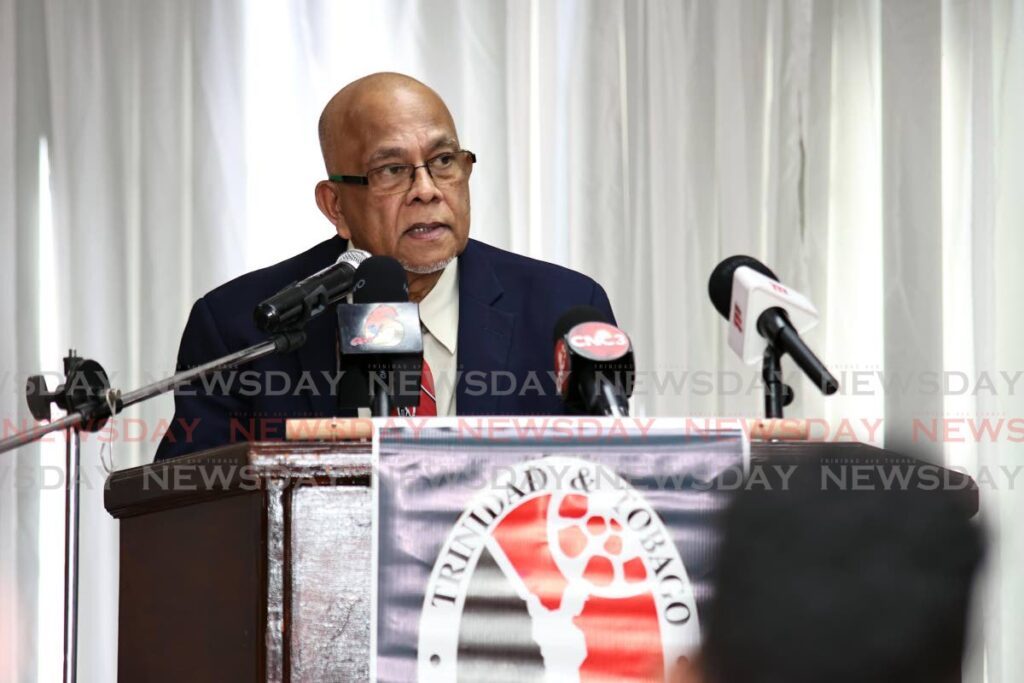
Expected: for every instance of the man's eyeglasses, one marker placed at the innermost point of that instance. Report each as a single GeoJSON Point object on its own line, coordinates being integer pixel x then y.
{"type": "Point", "coordinates": [446, 168]}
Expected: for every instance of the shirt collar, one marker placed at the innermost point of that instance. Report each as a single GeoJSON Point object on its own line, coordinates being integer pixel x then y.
{"type": "Point", "coordinates": [439, 310]}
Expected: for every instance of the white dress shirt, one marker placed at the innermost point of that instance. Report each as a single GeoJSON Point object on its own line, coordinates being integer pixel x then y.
{"type": "Point", "coordinates": [439, 317]}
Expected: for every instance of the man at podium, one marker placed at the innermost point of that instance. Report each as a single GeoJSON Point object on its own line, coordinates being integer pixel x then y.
{"type": "Point", "coordinates": [398, 185]}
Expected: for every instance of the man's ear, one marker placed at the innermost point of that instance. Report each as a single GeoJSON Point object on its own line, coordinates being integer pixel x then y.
{"type": "Point", "coordinates": [329, 203]}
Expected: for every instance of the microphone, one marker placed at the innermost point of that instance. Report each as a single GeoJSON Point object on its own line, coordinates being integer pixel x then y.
{"type": "Point", "coordinates": [593, 363]}
{"type": "Point", "coordinates": [380, 342]}
{"type": "Point", "coordinates": [760, 310]}
{"type": "Point", "coordinates": [302, 301]}
{"type": "Point", "coordinates": [378, 279]}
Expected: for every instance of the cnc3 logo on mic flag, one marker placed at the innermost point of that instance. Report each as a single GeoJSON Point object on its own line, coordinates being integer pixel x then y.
{"type": "Point", "coordinates": [560, 572]}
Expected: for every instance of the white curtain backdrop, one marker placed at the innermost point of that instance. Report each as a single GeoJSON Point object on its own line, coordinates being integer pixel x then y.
{"type": "Point", "coordinates": [870, 151]}
{"type": "Point", "coordinates": [140, 107]}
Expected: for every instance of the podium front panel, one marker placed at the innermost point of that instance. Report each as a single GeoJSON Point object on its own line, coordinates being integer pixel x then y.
{"type": "Point", "coordinates": [253, 562]}
{"type": "Point", "coordinates": [191, 579]}
{"type": "Point", "coordinates": [331, 582]}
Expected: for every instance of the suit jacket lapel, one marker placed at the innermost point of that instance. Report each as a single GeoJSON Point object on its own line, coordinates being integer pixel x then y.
{"type": "Point", "coordinates": [485, 334]}
{"type": "Point", "coordinates": [319, 354]}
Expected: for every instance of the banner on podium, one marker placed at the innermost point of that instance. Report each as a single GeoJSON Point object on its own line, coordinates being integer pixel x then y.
{"type": "Point", "coordinates": [505, 557]}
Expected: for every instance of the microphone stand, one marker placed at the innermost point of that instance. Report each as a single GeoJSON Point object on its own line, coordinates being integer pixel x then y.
{"type": "Point", "coordinates": [380, 393]}
{"type": "Point", "coordinates": [777, 394]}
{"type": "Point", "coordinates": [89, 401]}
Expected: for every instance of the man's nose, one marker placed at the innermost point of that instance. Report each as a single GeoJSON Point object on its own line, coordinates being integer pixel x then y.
{"type": "Point", "coordinates": [423, 187]}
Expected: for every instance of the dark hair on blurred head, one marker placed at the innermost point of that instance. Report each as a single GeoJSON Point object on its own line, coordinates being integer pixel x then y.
{"type": "Point", "coordinates": [841, 586]}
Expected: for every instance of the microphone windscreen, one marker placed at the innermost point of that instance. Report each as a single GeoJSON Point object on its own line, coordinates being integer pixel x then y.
{"type": "Point", "coordinates": [575, 316]}
{"type": "Point", "coordinates": [353, 257]}
{"type": "Point", "coordinates": [380, 279]}
{"type": "Point", "coordinates": [720, 282]}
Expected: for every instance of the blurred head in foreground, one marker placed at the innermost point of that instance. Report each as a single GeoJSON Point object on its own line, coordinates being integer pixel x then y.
{"type": "Point", "coordinates": [841, 587]}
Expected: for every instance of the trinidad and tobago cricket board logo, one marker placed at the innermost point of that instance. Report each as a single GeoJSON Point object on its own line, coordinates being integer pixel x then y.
{"type": "Point", "coordinates": [381, 328]}
{"type": "Point", "coordinates": [562, 572]}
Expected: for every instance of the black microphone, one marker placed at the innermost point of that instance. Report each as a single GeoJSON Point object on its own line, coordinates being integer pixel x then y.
{"type": "Point", "coordinates": [380, 341]}
{"type": "Point", "coordinates": [594, 363]}
{"type": "Point", "coordinates": [379, 279]}
{"type": "Point", "coordinates": [739, 282]}
{"type": "Point", "coordinates": [301, 301]}
{"type": "Point", "coordinates": [721, 280]}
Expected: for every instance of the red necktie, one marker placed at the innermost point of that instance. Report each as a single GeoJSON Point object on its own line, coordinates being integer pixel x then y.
{"type": "Point", "coordinates": [428, 402]}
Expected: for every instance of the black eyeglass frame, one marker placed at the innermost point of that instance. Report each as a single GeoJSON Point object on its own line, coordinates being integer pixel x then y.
{"type": "Point", "coordinates": [365, 179]}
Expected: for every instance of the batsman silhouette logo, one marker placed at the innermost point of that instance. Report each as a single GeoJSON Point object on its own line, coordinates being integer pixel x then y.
{"type": "Point", "coordinates": [560, 572]}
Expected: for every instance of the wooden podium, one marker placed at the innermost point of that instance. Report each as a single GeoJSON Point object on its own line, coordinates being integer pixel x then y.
{"type": "Point", "coordinates": [252, 562]}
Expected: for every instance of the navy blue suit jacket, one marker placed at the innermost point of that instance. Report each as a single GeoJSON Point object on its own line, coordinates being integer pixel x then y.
{"type": "Point", "coordinates": [508, 306]}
